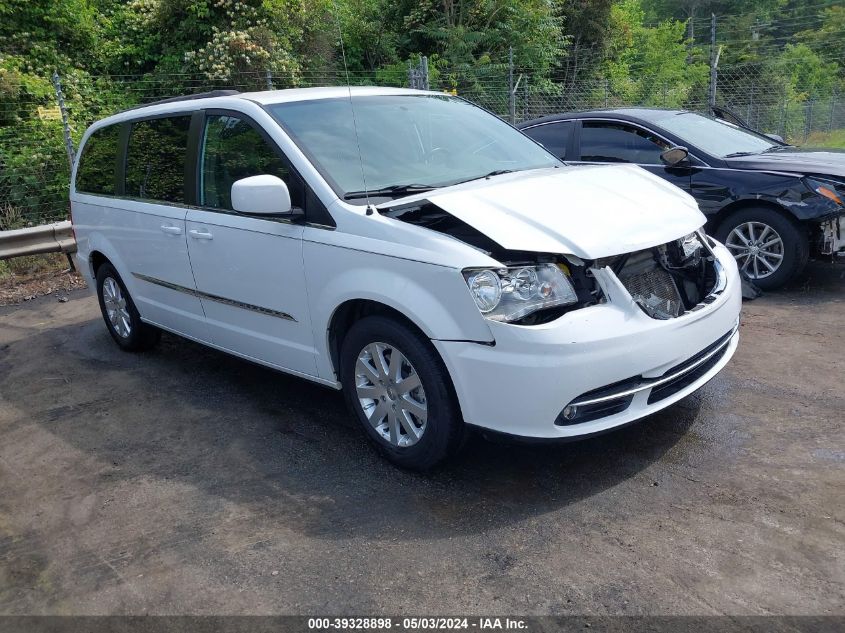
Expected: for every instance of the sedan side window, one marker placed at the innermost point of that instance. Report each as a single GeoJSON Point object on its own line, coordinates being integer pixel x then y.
{"type": "Point", "coordinates": [553, 136]}
{"type": "Point", "coordinates": [233, 149]}
{"type": "Point", "coordinates": [604, 142]}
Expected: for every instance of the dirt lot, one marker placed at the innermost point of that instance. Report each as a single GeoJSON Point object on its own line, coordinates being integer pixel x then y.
{"type": "Point", "coordinates": [185, 481]}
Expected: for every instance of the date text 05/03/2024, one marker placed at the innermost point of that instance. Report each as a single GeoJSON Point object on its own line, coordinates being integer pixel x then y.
{"type": "Point", "coordinates": [416, 623]}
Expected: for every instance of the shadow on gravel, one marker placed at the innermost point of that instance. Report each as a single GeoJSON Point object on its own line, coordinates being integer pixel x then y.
{"type": "Point", "coordinates": [286, 448]}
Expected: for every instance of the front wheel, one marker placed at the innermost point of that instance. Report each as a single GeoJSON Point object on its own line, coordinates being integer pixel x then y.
{"type": "Point", "coordinates": [397, 385]}
{"type": "Point", "coordinates": [768, 247]}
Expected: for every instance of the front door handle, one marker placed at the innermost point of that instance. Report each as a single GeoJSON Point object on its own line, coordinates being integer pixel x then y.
{"type": "Point", "coordinates": [171, 230]}
{"type": "Point", "coordinates": [200, 235]}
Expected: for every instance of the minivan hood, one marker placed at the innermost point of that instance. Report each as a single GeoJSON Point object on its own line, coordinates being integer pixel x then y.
{"type": "Point", "coordinates": [589, 211]}
{"type": "Point", "coordinates": [793, 159]}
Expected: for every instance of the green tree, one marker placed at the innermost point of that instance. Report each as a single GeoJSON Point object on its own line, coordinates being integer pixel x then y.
{"type": "Point", "coordinates": [471, 33]}
{"type": "Point", "coordinates": [649, 65]}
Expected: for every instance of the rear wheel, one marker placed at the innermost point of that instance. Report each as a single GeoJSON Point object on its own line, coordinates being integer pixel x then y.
{"type": "Point", "coordinates": [120, 314]}
{"type": "Point", "coordinates": [768, 247]}
{"type": "Point", "coordinates": [397, 385]}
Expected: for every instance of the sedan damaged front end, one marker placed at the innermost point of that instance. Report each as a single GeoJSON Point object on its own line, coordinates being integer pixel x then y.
{"type": "Point", "coordinates": [831, 237]}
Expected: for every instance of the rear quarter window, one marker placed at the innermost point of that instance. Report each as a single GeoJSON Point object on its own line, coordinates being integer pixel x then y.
{"type": "Point", "coordinates": [98, 162]}
{"type": "Point", "coordinates": [553, 136]}
{"type": "Point", "coordinates": [155, 159]}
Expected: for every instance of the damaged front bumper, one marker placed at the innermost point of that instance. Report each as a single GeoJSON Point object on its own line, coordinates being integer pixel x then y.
{"type": "Point", "coordinates": [833, 237]}
{"type": "Point", "coordinates": [554, 380]}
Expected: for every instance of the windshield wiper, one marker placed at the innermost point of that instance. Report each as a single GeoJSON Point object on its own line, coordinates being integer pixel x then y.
{"type": "Point", "coordinates": [495, 172]}
{"type": "Point", "coordinates": [738, 154]}
{"type": "Point", "coordinates": [391, 190]}
{"type": "Point", "coordinates": [401, 190]}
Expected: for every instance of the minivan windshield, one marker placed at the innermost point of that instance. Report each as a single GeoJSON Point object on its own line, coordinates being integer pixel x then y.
{"type": "Point", "coordinates": [408, 143]}
{"type": "Point", "coordinates": [716, 137]}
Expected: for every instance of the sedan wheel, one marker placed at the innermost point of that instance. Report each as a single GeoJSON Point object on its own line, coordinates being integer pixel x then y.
{"type": "Point", "coordinates": [391, 394]}
{"type": "Point", "coordinates": [757, 247]}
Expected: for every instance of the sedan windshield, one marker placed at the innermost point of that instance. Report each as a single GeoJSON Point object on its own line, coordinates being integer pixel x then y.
{"type": "Point", "coordinates": [406, 143]}
{"type": "Point", "coordinates": [717, 138]}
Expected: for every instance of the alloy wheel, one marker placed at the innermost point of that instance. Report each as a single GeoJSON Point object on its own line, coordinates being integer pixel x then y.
{"type": "Point", "coordinates": [116, 310]}
{"type": "Point", "coordinates": [757, 248]}
{"type": "Point", "coordinates": [391, 394]}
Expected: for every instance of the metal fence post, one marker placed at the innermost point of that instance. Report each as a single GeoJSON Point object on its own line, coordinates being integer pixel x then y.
{"type": "Point", "coordinates": [749, 108]}
{"type": "Point", "coordinates": [60, 98]}
{"type": "Point", "coordinates": [832, 100]}
{"type": "Point", "coordinates": [783, 131]}
{"type": "Point", "coordinates": [714, 59]}
{"type": "Point", "coordinates": [511, 91]}
{"type": "Point", "coordinates": [606, 92]}
{"type": "Point", "coordinates": [269, 78]}
{"type": "Point", "coordinates": [525, 99]}
{"type": "Point", "coordinates": [808, 126]}
{"type": "Point", "coordinates": [425, 84]}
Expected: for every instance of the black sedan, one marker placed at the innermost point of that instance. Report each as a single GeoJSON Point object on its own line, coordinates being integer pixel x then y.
{"type": "Point", "coordinates": [773, 205]}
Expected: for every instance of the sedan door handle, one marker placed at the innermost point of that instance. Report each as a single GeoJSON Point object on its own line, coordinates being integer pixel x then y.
{"type": "Point", "coordinates": [200, 235]}
{"type": "Point", "coordinates": [171, 230]}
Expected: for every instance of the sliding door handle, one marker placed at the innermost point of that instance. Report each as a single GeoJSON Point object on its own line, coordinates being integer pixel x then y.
{"type": "Point", "coordinates": [200, 235]}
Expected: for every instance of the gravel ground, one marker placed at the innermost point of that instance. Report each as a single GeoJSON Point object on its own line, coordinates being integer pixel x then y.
{"type": "Point", "coordinates": [49, 278]}
{"type": "Point", "coordinates": [185, 481]}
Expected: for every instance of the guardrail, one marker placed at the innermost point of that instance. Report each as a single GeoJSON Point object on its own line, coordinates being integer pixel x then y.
{"type": "Point", "coordinates": [35, 240]}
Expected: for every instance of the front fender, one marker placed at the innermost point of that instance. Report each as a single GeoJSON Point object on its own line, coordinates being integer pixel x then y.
{"type": "Point", "coordinates": [433, 297]}
{"type": "Point", "coordinates": [720, 190]}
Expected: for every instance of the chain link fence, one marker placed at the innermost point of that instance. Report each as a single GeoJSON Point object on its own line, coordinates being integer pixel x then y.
{"type": "Point", "coordinates": [34, 165]}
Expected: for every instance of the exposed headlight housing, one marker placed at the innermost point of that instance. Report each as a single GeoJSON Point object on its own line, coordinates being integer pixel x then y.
{"type": "Point", "coordinates": [824, 188]}
{"type": "Point", "coordinates": [509, 294]}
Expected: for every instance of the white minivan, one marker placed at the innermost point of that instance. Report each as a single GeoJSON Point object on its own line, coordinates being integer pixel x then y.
{"type": "Point", "coordinates": [411, 249]}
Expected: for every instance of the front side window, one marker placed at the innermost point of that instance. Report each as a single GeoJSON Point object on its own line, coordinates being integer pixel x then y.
{"type": "Point", "coordinates": [233, 149]}
{"type": "Point", "coordinates": [553, 136]}
{"type": "Point", "coordinates": [603, 142]}
{"type": "Point", "coordinates": [98, 162]}
{"type": "Point", "coordinates": [155, 159]}
{"type": "Point", "coordinates": [421, 140]}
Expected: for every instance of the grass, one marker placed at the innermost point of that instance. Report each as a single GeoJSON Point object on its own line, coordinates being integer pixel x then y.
{"type": "Point", "coordinates": [834, 139]}
{"type": "Point", "coordinates": [25, 267]}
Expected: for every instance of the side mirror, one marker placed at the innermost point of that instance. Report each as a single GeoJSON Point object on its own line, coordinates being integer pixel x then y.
{"type": "Point", "coordinates": [674, 156]}
{"type": "Point", "coordinates": [776, 137]}
{"type": "Point", "coordinates": [261, 195]}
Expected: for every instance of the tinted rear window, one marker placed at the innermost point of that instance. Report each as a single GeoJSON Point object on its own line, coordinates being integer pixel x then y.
{"type": "Point", "coordinates": [553, 136]}
{"type": "Point", "coordinates": [96, 171]}
{"type": "Point", "coordinates": [155, 159]}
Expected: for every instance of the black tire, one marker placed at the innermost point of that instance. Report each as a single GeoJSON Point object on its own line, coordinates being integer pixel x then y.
{"type": "Point", "coordinates": [140, 336]}
{"type": "Point", "coordinates": [796, 243]}
{"type": "Point", "coordinates": [444, 429]}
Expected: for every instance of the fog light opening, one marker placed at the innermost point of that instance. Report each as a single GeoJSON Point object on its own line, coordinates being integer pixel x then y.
{"type": "Point", "coordinates": [570, 411]}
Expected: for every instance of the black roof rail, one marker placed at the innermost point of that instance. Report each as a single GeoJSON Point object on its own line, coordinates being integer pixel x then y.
{"type": "Point", "coordinates": [199, 95]}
